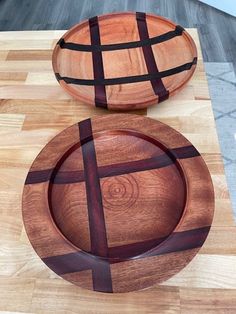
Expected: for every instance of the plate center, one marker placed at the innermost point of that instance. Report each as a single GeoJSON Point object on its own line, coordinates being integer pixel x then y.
{"type": "Point", "coordinates": [118, 195]}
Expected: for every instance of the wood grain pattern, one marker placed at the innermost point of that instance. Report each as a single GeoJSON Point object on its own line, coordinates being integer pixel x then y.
{"type": "Point", "coordinates": [137, 64]}
{"type": "Point", "coordinates": [207, 284]}
{"type": "Point", "coordinates": [212, 24]}
{"type": "Point", "coordinates": [148, 202]}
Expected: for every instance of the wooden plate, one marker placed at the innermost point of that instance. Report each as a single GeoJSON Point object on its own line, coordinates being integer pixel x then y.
{"type": "Point", "coordinates": [118, 203]}
{"type": "Point", "coordinates": [124, 60]}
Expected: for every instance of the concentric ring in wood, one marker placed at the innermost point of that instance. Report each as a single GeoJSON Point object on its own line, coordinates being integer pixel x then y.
{"type": "Point", "coordinates": [124, 61]}
{"type": "Point", "coordinates": [118, 203]}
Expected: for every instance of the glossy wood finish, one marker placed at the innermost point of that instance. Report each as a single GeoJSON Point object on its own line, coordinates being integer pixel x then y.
{"type": "Point", "coordinates": [33, 111]}
{"type": "Point", "coordinates": [119, 196]}
{"type": "Point", "coordinates": [124, 60]}
{"type": "Point", "coordinates": [216, 29]}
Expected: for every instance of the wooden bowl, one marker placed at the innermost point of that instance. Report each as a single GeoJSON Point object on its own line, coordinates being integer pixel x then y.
{"type": "Point", "coordinates": [124, 61]}
{"type": "Point", "coordinates": [118, 203]}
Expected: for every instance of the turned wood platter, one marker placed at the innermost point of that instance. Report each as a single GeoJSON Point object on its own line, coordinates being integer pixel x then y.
{"type": "Point", "coordinates": [118, 203]}
{"type": "Point", "coordinates": [124, 61]}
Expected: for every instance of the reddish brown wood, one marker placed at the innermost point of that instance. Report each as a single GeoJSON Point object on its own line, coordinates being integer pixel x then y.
{"type": "Point", "coordinates": [103, 48]}
{"type": "Point", "coordinates": [118, 203]}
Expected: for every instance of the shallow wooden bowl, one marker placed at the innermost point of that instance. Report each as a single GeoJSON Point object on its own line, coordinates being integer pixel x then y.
{"type": "Point", "coordinates": [118, 203]}
{"type": "Point", "coordinates": [124, 60]}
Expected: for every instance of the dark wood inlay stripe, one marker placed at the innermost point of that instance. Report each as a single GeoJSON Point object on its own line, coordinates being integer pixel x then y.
{"type": "Point", "coordinates": [116, 169]}
{"type": "Point", "coordinates": [102, 276]}
{"type": "Point", "coordinates": [39, 176]}
{"type": "Point", "coordinates": [97, 226]}
{"type": "Point", "coordinates": [93, 191]}
{"type": "Point", "coordinates": [133, 249]}
{"type": "Point", "coordinates": [98, 70]}
{"type": "Point", "coordinates": [128, 79]}
{"type": "Point", "coordinates": [135, 166]}
{"type": "Point", "coordinates": [185, 152]}
{"type": "Point", "coordinates": [182, 241]}
{"type": "Point", "coordinates": [79, 261]}
{"type": "Point", "coordinates": [69, 263]}
{"type": "Point", "coordinates": [178, 241]}
{"type": "Point", "coordinates": [127, 45]}
{"type": "Point", "coordinates": [157, 84]}
{"type": "Point", "coordinates": [67, 177]}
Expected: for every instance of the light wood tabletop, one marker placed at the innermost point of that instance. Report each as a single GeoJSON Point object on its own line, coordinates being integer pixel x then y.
{"type": "Point", "coordinates": [34, 108]}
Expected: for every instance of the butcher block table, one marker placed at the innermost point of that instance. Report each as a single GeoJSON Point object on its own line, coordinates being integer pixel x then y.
{"type": "Point", "coordinates": [34, 108]}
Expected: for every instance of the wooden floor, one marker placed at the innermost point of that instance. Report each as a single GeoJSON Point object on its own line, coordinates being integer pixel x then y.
{"type": "Point", "coordinates": [217, 30]}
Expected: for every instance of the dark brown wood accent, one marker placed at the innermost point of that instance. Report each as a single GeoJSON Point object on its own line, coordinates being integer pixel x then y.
{"type": "Point", "coordinates": [97, 227]}
{"type": "Point", "coordinates": [100, 90]}
{"type": "Point", "coordinates": [157, 84]}
{"type": "Point", "coordinates": [98, 238]}
{"type": "Point", "coordinates": [114, 169]}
